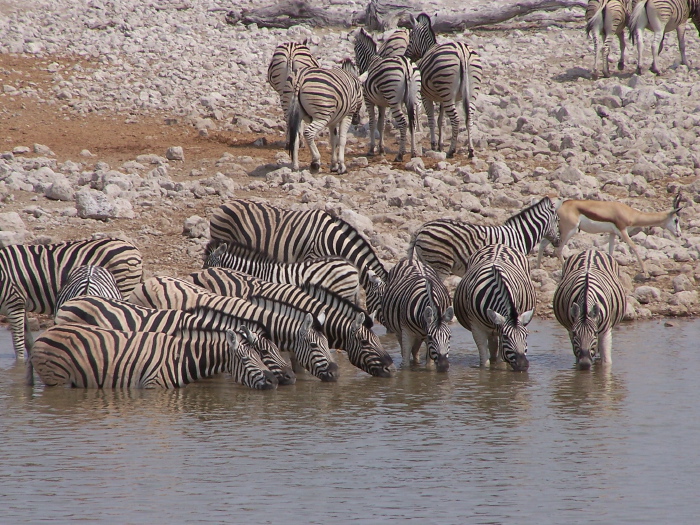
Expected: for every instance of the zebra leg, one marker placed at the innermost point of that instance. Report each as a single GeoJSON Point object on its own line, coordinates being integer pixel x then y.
{"type": "Point", "coordinates": [380, 124]}
{"type": "Point", "coordinates": [342, 139]}
{"type": "Point", "coordinates": [440, 125]}
{"type": "Point", "coordinates": [310, 135]}
{"type": "Point", "coordinates": [406, 342]}
{"type": "Point", "coordinates": [655, 52]}
{"type": "Point", "coordinates": [605, 55]}
{"type": "Point", "coordinates": [430, 112]}
{"type": "Point", "coordinates": [334, 148]}
{"type": "Point", "coordinates": [638, 37]}
{"type": "Point", "coordinates": [402, 124]}
{"type": "Point", "coordinates": [481, 338]}
{"type": "Point", "coordinates": [680, 32]}
{"type": "Point", "coordinates": [605, 346]}
{"type": "Point", "coordinates": [454, 120]}
{"type": "Point", "coordinates": [296, 365]}
{"type": "Point", "coordinates": [470, 125]}
{"type": "Point", "coordinates": [543, 244]}
{"type": "Point", "coordinates": [372, 127]}
{"type": "Point", "coordinates": [621, 63]}
{"type": "Point", "coordinates": [595, 53]}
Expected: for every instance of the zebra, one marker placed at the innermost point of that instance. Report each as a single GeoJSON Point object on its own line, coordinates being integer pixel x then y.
{"type": "Point", "coordinates": [203, 323]}
{"type": "Point", "coordinates": [332, 272]}
{"type": "Point", "coordinates": [291, 236]}
{"type": "Point", "coordinates": [32, 275]}
{"type": "Point", "coordinates": [390, 82]}
{"type": "Point", "coordinates": [347, 327]}
{"type": "Point", "coordinates": [88, 279]}
{"type": "Point", "coordinates": [322, 97]}
{"type": "Point", "coordinates": [450, 72]}
{"type": "Point", "coordinates": [416, 306]}
{"type": "Point", "coordinates": [84, 356]}
{"type": "Point", "coordinates": [395, 45]}
{"type": "Point", "coordinates": [292, 329]}
{"type": "Point", "coordinates": [447, 244]}
{"type": "Point", "coordinates": [605, 18]}
{"type": "Point", "coordinates": [662, 16]}
{"type": "Point", "coordinates": [495, 300]}
{"type": "Point", "coordinates": [589, 302]}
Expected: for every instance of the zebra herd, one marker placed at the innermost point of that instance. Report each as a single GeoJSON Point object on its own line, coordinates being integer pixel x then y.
{"type": "Point", "coordinates": [278, 280]}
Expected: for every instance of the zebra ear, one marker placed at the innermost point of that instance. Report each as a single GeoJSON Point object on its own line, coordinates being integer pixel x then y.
{"type": "Point", "coordinates": [307, 324]}
{"type": "Point", "coordinates": [358, 322]}
{"type": "Point", "coordinates": [495, 317]}
{"type": "Point", "coordinates": [594, 313]}
{"type": "Point", "coordinates": [363, 76]}
{"type": "Point", "coordinates": [232, 339]}
{"type": "Point", "coordinates": [429, 315]}
{"type": "Point", "coordinates": [321, 318]}
{"type": "Point", "coordinates": [221, 249]}
{"type": "Point", "coordinates": [373, 278]}
{"type": "Point", "coordinates": [412, 20]}
{"type": "Point", "coordinates": [526, 317]}
{"type": "Point", "coordinates": [250, 336]}
{"type": "Point", "coordinates": [575, 311]}
{"type": "Point", "coordinates": [448, 315]}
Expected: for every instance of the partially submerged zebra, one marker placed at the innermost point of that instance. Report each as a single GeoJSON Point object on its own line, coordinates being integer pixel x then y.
{"type": "Point", "coordinates": [32, 275]}
{"type": "Point", "coordinates": [604, 19]}
{"type": "Point", "coordinates": [292, 236]}
{"type": "Point", "coordinates": [589, 302]}
{"type": "Point", "coordinates": [447, 244]}
{"type": "Point", "coordinates": [332, 272]}
{"type": "Point", "coordinates": [495, 300]}
{"type": "Point", "coordinates": [83, 356]}
{"type": "Point", "coordinates": [416, 306]}
{"type": "Point", "coordinates": [89, 279]}
{"type": "Point", "coordinates": [450, 73]}
{"type": "Point", "coordinates": [205, 325]}
{"type": "Point", "coordinates": [347, 327]}
{"type": "Point", "coordinates": [292, 329]}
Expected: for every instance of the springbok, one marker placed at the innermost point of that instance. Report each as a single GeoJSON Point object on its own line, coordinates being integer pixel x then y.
{"type": "Point", "coordinates": [613, 218]}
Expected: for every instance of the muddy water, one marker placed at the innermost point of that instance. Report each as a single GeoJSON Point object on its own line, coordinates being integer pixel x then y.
{"type": "Point", "coordinates": [553, 445]}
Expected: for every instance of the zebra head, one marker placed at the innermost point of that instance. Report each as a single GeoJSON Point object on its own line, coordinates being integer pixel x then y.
{"type": "Point", "coordinates": [551, 222]}
{"type": "Point", "coordinates": [512, 338]}
{"type": "Point", "coordinates": [365, 351]}
{"type": "Point", "coordinates": [365, 50]}
{"type": "Point", "coordinates": [214, 254]}
{"type": "Point", "coordinates": [312, 349]}
{"type": "Point", "coordinates": [421, 38]}
{"type": "Point", "coordinates": [246, 366]}
{"type": "Point", "coordinates": [438, 336]}
{"type": "Point", "coordinates": [374, 291]}
{"type": "Point", "coordinates": [270, 355]}
{"type": "Point", "coordinates": [584, 334]}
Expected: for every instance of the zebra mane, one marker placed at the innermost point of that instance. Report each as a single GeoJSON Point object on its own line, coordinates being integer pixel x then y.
{"type": "Point", "coordinates": [286, 308]}
{"type": "Point", "coordinates": [501, 277]}
{"type": "Point", "coordinates": [346, 307]}
{"type": "Point", "coordinates": [238, 249]}
{"type": "Point", "coordinates": [546, 201]}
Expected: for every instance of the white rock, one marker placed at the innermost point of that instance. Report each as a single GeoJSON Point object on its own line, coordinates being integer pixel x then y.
{"type": "Point", "coordinates": [175, 153]}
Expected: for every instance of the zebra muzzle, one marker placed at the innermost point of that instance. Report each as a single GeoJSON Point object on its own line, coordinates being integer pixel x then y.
{"type": "Point", "coordinates": [270, 381]}
{"type": "Point", "coordinates": [442, 364]}
{"type": "Point", "coordinates": [584, 360]}
{"type": "Point", "coordinates": [330, 374]}
{"type": "Point", "coordinates": [520, 364]}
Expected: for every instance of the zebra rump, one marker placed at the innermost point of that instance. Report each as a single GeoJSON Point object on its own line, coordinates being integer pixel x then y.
{"type": "Point", "coordinates": [88, 280]}
{"type": "Point", "coordinates": [589, 302]}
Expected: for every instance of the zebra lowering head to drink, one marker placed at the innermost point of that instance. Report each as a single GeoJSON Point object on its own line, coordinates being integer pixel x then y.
{"type": "Point", "coordinates": [322, 97]}
{"type": "Point", "coordinates": [447, 244]}
{"type": "Point", "coordinates": [85, 356]}
{"type": "Point", "coordinates": [605, 18]}
{"type": "Point", "coordinates": [391, 82]}
{"type": "Point", "coordinates": [88, 280]}
{"type": "Point", "coordinates": [589, 302]}
{"type": "Point", "coordinates": [496, 300]}
{"type": "Point", "coordinates": [450, 73]}
{"type": "Point", "coordinates": [32, 275]}
{"type": "Point", "coordinates": [416, 306]}
{"type": "Point", "coordinates": [661, 17]}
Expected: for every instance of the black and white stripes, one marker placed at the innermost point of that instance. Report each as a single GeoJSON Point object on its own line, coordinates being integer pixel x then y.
{"type": "Point", "coordinates": [606, 18]}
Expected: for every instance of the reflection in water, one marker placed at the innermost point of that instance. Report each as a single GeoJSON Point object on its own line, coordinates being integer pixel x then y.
{"type": "Point", "coordinates": [472, 445]}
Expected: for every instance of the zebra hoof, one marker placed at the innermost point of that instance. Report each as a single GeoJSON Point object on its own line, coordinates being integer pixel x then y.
{"type": "Point", "coordinates": [606, 74]}
{"type": "Point", "coordinates": [370, 153]}
{"type": "Point", "coordinates": [620, 66]}
{"type": "Point", "coordinates": [470, 153]}
{"type": "Point", "coordinates": [398, 158]}
{"type": "Point", "coordinates": [639, 70]}
{"type": "Point", "coordinates": [342, 169]}
{"type": "Point", "coordinates": [450, 154]}
{"type": "Point", "coordinates": [655, 70]}
{"type": "Point", "coordinates": [315, 167]}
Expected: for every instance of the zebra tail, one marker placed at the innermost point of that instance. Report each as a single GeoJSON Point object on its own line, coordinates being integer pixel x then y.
{"type": "Point", "coordinates": [411, 96]}
{"type": "Point", "coordinates": [466, 82]}
{"type": "Point", "coordinates": [293, 121]}
{"type": "Point", "coordinates": [638, 20]}
{"type": "Point", "coordinates": [596, 21]}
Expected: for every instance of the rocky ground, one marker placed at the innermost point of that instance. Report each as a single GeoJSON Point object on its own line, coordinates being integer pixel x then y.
{"type": "Point", "coordinates": [137, 119]}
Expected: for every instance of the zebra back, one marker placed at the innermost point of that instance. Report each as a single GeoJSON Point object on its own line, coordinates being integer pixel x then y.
{"type": "Point", "coordinates": [332, 272]}
{"type": "Point", "coordinates": [88, 280]}
{"type": "Point", "coordinates": [416, 302]}
{"type": "Point", "coordinates": [288, 58]}
{"type": "Point", "coordinates": [395, 45]}
{"type": "Point", "coordinates": [32, 275]}
{"type": "Point", "coordinates": [207, 325]}
{"type": "Point", "coordinates": [291, 236]}
{"type": "Point", "coordinates": [447, 244]}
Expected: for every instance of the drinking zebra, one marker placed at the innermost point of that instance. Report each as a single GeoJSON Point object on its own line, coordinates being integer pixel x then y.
{"type": "Point", "coordinates": [85, 356]}
{"type": "Point", "coordinates": [32, 275]}
{"type": "Point", "coordinates": [88, 280]}
{"type": "Point", "coordinates": [292, 329]}
{"type": "Point", "coordinates": [292, 236]}
{"type": "Point", "coordinates": [495, 300]}
{"type": "Point", "coordinates": [589, 302]}
{"type": "Point", "coordinates": [605, 18]}
{"type": "Point", "coordinates": [322, 97]}
{"type": "Point", "coordinates": [331, 272]}
{"type": "Point", "coordinates": [390, 82]}
{"type": "Point", "coordinates": [450, 73]}
{"type": "Point", "coordinates": [347, 327]}
{"type": "Point", "coordinates": [447, 244]}
{"type": "Point", "coordinates": [395, 45]}
{"type": "Point", "coordinates": [206, 325]}
{"type": "Point", "coordinates": [661, 17]}
{"type": "Point", "coordinates": [416, 306]}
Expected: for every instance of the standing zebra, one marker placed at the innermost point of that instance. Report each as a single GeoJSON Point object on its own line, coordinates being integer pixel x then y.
{"type": "Point", "coordinates": [390, 82]}
{"type": "Point", "coordinates": [605, 18]}
{"type": "Point", "coordinates": [291, 236]}
{"type": "Point", "coordinates": [447, 244]}
{"type": "Point", "coordinates": [32, 275]}
{"type": "Point", "coordinates": [322, 97]}
{"type": "Point", "coordinates": [495, 301]}
{"type": "Point", "coordinates": [589, 302]}
{"type": "Point", "coordinates": [332, 272]}
{"type": "Point", "coordinates": [206, 326]}
{"type": "Point", "coordinates": [88, 280]}
{"type": "Point", "coordinates": [288, 58]}
{"type": "Point", "coordinates": [450, 73]}
{"type": "Point", "coordinates": [85, 356]}
{"type": "Point", "coordinates": [662, 16]}
{"type": "Point", "coordinates": [346, 326]}
{"type": "Point", "coordinates": [291, 328]}
{"type": "Point", "coordinates": [416, 306]}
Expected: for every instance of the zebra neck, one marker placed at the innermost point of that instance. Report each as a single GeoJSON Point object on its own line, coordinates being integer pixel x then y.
{"type": "Point", "coordinates": [527, 233]}
{"type": "Point", "coordinates": [205, 357]}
